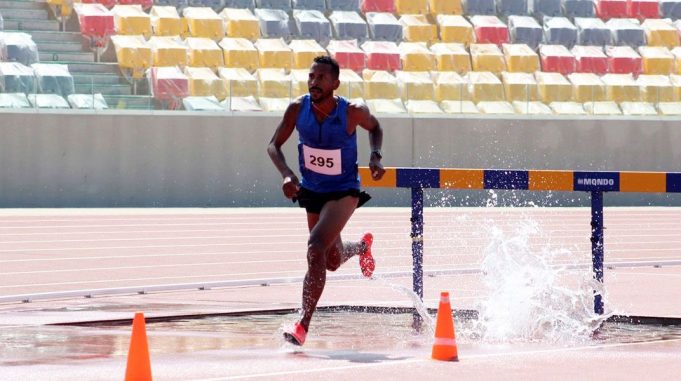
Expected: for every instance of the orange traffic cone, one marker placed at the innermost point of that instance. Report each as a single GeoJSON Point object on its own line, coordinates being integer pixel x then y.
{"type": "Point", "coordinates": [139, 365]}
{"type": "Point", "coordinates": [444, 347]}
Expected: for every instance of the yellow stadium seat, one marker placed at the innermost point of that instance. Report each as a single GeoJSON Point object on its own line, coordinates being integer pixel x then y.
{"type": "Point", "coordinates": [451, 57]}
{"type": "Point", "coordinates": [416, 106]}
{"type": "Point", "coordinates": [602, 108]}
{"type": "Point", "coordinates": [63, 7]}
{"type": "Point", "coordinates": [351, 84]}
{"type": "Point", "coordinates": [449, 86]}
{"type": "Point", "coordinates": [274, 53]}
{"type": "Point", "coordinates": [656, 60]}
{"type": "Point", "coordinates": [274, 104]}
{"type": "Point", "coordinates": [520, 58]}
{"type": "Point", "coordinates": [379, 84]}
{"type": "Point", "coordinates": [638, 108]}
{"type": "Point", "coordinates": [165, 21]}
{"type": "Point", "coordinates": [587, 87]}
{"type": "Point", "coordinates": [204, 52]}
{"type": "Point", "coordinates": [299, 82]}
{"type": "Point", "coordinates": [655, 88]}
{"type": "Point", "coordinates": [239, 52]}
{"type": "Point", "coordinates": [496, 107]}
{"type": "Point", "coordinates": [676, 52]}
{"type": "Point", "coordinates": [241, 23]}
{"type": "Point", "coordinates": [204, 22]}
{"type": "Point", "coordinates": [416, 28]}
{"type": "Point", "coordinates": [484, 86]}
{"type": "Point", "coordinates": [273, 83]}
{"type": "Point", "coordinates": [445, 7]}
{"type": "Point", "coordinates": [416, 56]}
{"type": "Point", "coordinates": [238, 82]}
{"type": "Point", "coordinates": [567, 108]}
{"type": "Point", "coordinates": [131, 20]}
{"type": "Point", "coordinates": [386, 106]}
{"type": "Point", "coordinates": [487, 57]}
{"type": "Point", "coordinates": [459, 107]}
{"type": "Point", "coordinates": [203, 82]}
{"type": "Point", "coordinates": [669, 108]}
{"type": "Point", "coordinates": [168, 51]}
{"type": "Point", "coordinates": [241, 104]}
{"type": "Point", "coordinates": [415, 85]}
{"type": "Point", "coordinates": [621, 87]}
{"type": "Point", "coordinates": [132, 52]}
{"type": "Point", "coordinates": [553, 87]}
{"type": "Point", "coordinates": [660, 32]}
{"type": "Point", "coordinates": [531, 108]}
{"type": "Point", "coordinates": [455, 28]}
{"type": "Point", "coordinates": [519, 86]}
{"type": "Point", "coordinates": [411, 7]}
{"type": "Point", "coordinates": [304, 52]}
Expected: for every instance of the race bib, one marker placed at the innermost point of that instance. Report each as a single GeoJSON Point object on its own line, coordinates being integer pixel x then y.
{"type": "Point", "coordinates": [323, 161]}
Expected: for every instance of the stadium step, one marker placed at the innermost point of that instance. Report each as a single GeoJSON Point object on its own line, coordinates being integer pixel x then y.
{"type": "Point", "coordinates": [21, 4]}
{"type": "Point", "coordinates": [59, 47]}
{"type": "Point", "coordinates": [66, 56]}
{"type": "Point", "coordinates": [61, 37]}
{"type": "Point", "coordinates": [19, 13]}
{"type": "Point", "coordinates": [98, 79]}
{"type": "Point", "coordinates": [130, 102]}
{"type": "Point", "coordinates": [104, 89]}
{"type": "Point", "coordinates": [91, 67]}
{"type": "Point", "coordinates": [27, 25]}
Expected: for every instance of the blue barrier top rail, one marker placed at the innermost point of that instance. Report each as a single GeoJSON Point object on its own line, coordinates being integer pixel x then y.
{"type": "Point", "coordinates": [533, 180]}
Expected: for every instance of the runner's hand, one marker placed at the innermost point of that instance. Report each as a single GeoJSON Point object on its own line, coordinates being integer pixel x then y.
{"type": "Point", "coordinates": [291, 186]}
{"type": "Point", "coordinates": [376, 169]}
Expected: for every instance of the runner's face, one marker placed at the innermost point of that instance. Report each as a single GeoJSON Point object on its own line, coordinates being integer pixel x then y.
{"type": "Point", "coordinates": [321, 82]}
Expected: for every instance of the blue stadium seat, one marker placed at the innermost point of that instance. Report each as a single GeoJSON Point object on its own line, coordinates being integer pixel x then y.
{"type": "Point", "coordinates": [53, 79]}
{"type": "Point", "coordinates": [16, 78]}
{"type": "Point", "coordinates": [525, 30]}
{"type": "Point", "coordinates": [579, 8]}
{"type": "Point", "coordinates": [284, 5]}
{"type": "Point", "coordinates": [343, 5]}
{"type": "Point", "coordinates": [480, 7]}
{"type": "Point", "coordinates": [559, 31]}
{"type": "Point", "coordinates": [274, 23]}
{"type": "Point", "coordinates": [592, 31]}
{"type": "Point", "coordinates": [311, 24]}
{"type": "Point", "coordinates": [670, 9]}
{"type": "Point", "coordinates": [626, 32]}
{"type": "Point", "coordinates": [318, 5]}
{"type": "Point", "coordinates": [384, 26]}
{"type": "Point", "coordinates": [349, 26]}
{"type": "Point", "coordinates": [512, 7]}
{"type": "Point", "coordinates": [240, 4]}
{"type": "Point", "coordinates": [19, 47]}
{"type": "Point", "coordinates": [546, 8]}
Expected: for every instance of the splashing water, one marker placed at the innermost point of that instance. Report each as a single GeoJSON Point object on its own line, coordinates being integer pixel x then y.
{"type": "Point", "coordinates": [416, 301]}
{"type": "Point", "coordinates": [533, 294]}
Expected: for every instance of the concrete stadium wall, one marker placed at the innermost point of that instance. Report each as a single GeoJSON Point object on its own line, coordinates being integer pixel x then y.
{"type": "Point", "coordinates": [164, 159]}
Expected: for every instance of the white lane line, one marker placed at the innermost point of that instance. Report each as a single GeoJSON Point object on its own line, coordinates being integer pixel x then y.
{"type": "Point", "coordinates": [397, 362]}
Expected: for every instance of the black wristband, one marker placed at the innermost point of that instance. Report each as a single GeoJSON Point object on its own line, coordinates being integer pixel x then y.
{"type": "Point", "coordinates": [378, 153]}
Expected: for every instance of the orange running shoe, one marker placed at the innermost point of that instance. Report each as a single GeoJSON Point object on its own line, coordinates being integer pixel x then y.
{"type": "Point", "coordinates": [295, 334]}
{"type": "Point", "coordinates": [366, 260]}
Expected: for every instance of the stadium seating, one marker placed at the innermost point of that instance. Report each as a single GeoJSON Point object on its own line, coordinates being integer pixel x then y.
{"type": "Point", "coordinates": [386, 106]}
{"type": "Point", "coordinates": [166, 21]}
{"type": "Point", "coordinates": [560, 31]}
{"type": "Point", "coordinates": [167, 51]}
{"type": "Point", "coordinates": [283, 5]}
{"type": "Point", "coordinates": [203, 22]}
{"type": "Point", "coordinates": [455, 28]}
{"type": "Point", "coordinates": [299, 79]}
{"type": "Point", "coordinates": [87, 101]}
{"type": "Point", "coordinates": [14, 100]}
{"type": "Point", "coordinates": [241, 23]}
{"type": "Point", "coordinates": [311, 24]}
{"type": "Point", "coordinates": [578, 8]}
{"type": "Point", "coordinates": [19, 47]}
{"type": "Point", "coordinates": [168, 84]}
{"type": "Point", "coordinates": [53, 79]}
{"type": "Point", "coordinates": [547, 8]}
{"type": "Point", "coordinates": [484, 86]}
{"type": "Point", "coordinates": [416, 56]}
{"type": "Point", "coordinates": [352, 85]}
{"type": "Point", "coordinates": [520, 58]}
{"type": "Point", "coordinates": [655, 88]}
{"type": "Point", "coordinates": [96, 22]}
{"type": "Point", "coordinates": [343, 5]}
{"type": "Point", "coordinates": [638, 108]}
{"type": "Point", "coordinates": [451, 57]}
{"type": "Point", "coordinates": [557, 58]}
{"type": "Point", "coordinates": [592, 31]}
{"type": "Point", "coordinates": [274, 104]}
{"type": "Point", "coordinates": [415, 85]}
{"type": "Point", "coordinates": [656, 60]}
{"type": "Point", "coordinates": [317, 5]}
{"type": "Point", "coordinates": [487, 57]}
{"type": "Point", "coordinates": [660, 33]}
{"type": "Point", "coordinates": [519, 86]}
{"type": "Point", "coordinates": [587, 87]}
{"type": "Point", "coordinates": [131, 20]}
{"type": "Point", "coordinates": [445, 7]}
{"type": "Point", "coordinates": [384, 27]}
{"type": "Point", "coordinates": [241, 104]}
{"type": "Point", "coordinates": [240, 53]}
{"type": "Point", "coordinates": [16, 78]}
{"type": "Point", "coordinates": [274, 23]}
{"type": "Point", "coordinates": [348, 25]}
{"type": "Point", "coordinates": [202, 103]}
{"type": "Point", "coordinates": [643, 9]}
{"type": "Point", "coordinates": [669, 108]}
{"type": "Point", "coordinates": [416, 106]}
{"type": "Point", "coordinates": [377, 6]}
{"type": "Point", "coordinates": [273, 83]}
{"type": "Point", "coordinates": [50, 101]}
{"type": "Point", "coordinates": [590, 59]}
{"type": "Point", "coordinates": [411, 7]}
{"type": "Point", "coordinates": [621, 87]}
{"type": "Point", "coordinates": [609, 9]}
{"type": "Point", "coordinates": [459, 107]}
{"type": "Point", "coordinates": [623, 60]}
{"type": "Point", "coordinates": [676, 52]}
{"type": "Point", "coordinates": [525, 30]}
{"type": "Point", "coordinates": [238, 82]}
{"type": "Point", "coordinates": [489, 29]}
{"type": "Point", "coordinates": [382, 55]}
{"type": "Point", "coordinates": [133, 53]}
{"type": "Point", "coordinates": [670, 9]}
{"type": "Point", "coordinates": [274, 53]}
{"type": "Point", "coordinates": [479, 7]}
{"type": "Point", "coordinates": [304, 52]}
{"type": "Point", "coordinates": [553, 87]}
{"type": "Point", "coordinates": [567, 108]}
{"type": "Point", "coordinates": [626, 32]}
{"type": "Point", "coordinates": [379, 84]}
{"type": "Point", "coordinates": [496, 107]}
{"type": "Point", "coordinates": [204, 82]}
{"type": "Point", "coordinates": [602, 108]}
{"type": "Point", "coordinates": [507, 8]}
{"type": "Point", "coordinates": [204, 52]}
{"type": "Point", "coordinates": [348, 54]}
{"type": "Point", "coordinates": [449, 86]}
{"type": "Point", "coordinates": [531, 108]}
{"type": "Point", "coordinates": [416, 28]}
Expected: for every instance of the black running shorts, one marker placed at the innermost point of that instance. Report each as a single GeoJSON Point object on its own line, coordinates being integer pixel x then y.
{"type": "Point", "coordinates": [313, 202]}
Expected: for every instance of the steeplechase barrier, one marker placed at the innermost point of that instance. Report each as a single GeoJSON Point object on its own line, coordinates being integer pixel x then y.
{"type": "Point", "coordinates": [595, 183]}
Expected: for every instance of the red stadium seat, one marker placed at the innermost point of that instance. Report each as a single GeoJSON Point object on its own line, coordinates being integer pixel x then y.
{"type": "Point", "coordinates": [623, 60]}
{"type": "Point", "coordinates": [96, 22]}
{"type": "Point", "coordinates": [557, 59]}
{"type": "Point", "coordinates": [146, 4]}
{"type": "Point", "coordinates": [106, 3]}
{"type": "Point", "coordinates": [643, 9]}
{"type": "Point", "coordinates": [169, 83]}
{"type": "Point", "coordinates": [378, 6]}
{"type": "Point", "coordinates": [489, 29]}
{"type": "Point", "coordinates": [610, 9]}
{"type": "Point", "coordinates": [590, 59]}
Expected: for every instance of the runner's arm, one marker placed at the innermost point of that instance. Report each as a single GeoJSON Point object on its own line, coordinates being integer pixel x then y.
{"type": "Point", "coordinates": [369, 122]}
{"type": "Point", "coordinates": [281, 135]}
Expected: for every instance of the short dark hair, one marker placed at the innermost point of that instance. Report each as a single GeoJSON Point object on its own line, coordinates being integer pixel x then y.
{"type": "Point", "coordinates": [335, 69]}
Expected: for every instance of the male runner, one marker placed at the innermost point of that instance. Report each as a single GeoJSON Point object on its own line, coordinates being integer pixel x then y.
{"type": "Point", "coordinates": [329, 190]}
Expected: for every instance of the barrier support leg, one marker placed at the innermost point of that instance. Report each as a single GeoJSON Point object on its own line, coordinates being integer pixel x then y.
{"type": "Point", "coordinates": [597, 245]}
{"type": "Point", "coordinates": [417, 247]}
